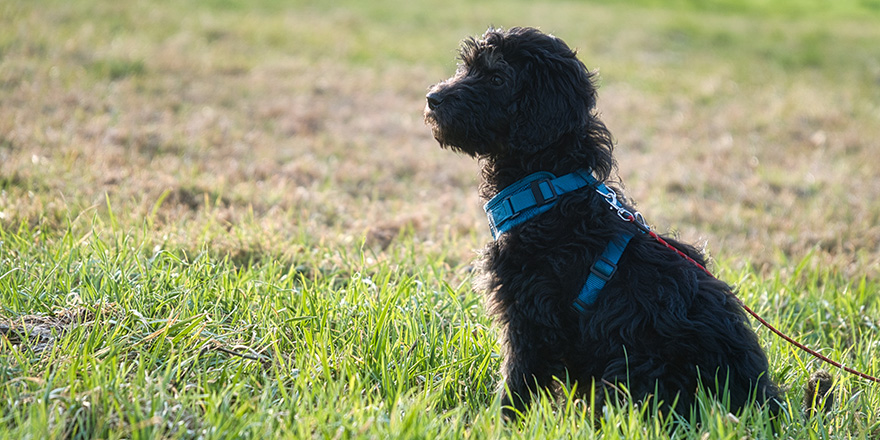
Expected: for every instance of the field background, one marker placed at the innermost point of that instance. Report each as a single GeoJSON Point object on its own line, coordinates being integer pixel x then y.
{"type": "Point", "coordinates": [226, 218]}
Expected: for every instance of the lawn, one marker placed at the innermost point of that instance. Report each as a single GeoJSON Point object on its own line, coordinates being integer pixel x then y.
{"type": "Point", "coordinates": [225, 218]}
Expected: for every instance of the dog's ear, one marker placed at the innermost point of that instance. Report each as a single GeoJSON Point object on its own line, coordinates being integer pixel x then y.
{"type": "Point", "coordinates": [556, 98]}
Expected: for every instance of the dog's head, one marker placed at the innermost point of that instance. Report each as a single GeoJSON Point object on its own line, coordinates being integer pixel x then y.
{"type": "Point", "coordinates": [516, 91]}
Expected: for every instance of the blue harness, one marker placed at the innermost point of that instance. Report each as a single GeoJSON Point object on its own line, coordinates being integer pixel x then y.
{"type": "Point", "coordinates": [537, 193]}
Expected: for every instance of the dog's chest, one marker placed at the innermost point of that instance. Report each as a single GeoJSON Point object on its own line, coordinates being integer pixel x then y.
{"type": "Point", "coordinates": [541, 265]}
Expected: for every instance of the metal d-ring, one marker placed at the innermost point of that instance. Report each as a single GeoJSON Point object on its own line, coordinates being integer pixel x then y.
{"type": "Point", "coordinates": [641, 219]}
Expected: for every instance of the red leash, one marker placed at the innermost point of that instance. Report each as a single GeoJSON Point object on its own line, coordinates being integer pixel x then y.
{"type": "Point", "coordinates": [629, 217]}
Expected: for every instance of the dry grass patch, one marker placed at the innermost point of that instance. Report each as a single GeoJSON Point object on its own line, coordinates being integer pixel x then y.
{"type": "Point", "coordinates": [230, 129]}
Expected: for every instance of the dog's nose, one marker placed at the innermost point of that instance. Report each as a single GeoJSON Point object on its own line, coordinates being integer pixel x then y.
{"type": "Point", "coordinates": [434, 100]}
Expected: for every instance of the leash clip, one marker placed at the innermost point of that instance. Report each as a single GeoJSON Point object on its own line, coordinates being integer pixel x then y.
{"type": "Point", "coordinates": [610, 197]}
{"type": "Point", "coordinates": [622, 212]}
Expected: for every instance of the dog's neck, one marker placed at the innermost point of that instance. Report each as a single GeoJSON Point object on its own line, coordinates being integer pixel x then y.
{"type": "Point", "coordinates": [502, 170]}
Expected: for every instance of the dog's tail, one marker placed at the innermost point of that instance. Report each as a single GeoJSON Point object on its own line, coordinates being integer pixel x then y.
{"type": "Point", "coordinates": [818, 395]}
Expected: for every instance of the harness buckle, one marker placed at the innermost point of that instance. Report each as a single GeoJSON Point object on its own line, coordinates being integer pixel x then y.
{"type": "Point", "coordinates": [580, 305]}
{"type": "Point", "coordinates": [603, 268]}
{"type": "Point", "coordinates": [514, 213]}
{"type": "Point", "coordinates": [539, 195]}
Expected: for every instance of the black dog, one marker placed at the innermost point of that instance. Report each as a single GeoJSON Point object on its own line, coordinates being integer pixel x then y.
{"type": "Point", "coordinates": [651, 321]}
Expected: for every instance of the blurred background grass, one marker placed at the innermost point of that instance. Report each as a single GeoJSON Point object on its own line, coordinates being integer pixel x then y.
{"type": "Point", "coordinates": [266, 127]}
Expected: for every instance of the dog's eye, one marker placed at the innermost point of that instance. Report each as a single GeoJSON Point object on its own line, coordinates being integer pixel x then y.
{"type": "Point", "coordinates": [497, 80]}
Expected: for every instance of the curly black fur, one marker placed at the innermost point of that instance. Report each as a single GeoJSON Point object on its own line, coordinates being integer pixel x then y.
{"type": "Point", "coordinates": [522, 102]}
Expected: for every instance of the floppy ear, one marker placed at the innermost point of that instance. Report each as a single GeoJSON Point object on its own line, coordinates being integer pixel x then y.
{"type": "Point", "coordinates": [556, 98]}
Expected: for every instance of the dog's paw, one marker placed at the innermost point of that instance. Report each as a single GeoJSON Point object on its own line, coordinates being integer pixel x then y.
{"type": "Point", "coordinates": [818, 395]}
{"type": "Point", "coordinates": [510, 411]}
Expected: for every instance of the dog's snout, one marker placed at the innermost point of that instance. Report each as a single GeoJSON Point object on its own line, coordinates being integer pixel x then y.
{"type": "Point", "coordinates": [434, 100]}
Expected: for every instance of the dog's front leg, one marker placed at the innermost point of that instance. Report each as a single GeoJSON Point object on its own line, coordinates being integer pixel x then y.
{"type": "Point", "coordinates": [529, 365]}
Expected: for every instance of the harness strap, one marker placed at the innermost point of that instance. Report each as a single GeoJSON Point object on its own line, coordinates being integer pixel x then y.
{"type": "Point", "coordinates": [601, 271]}
{"type": "Point", "coordinates": [537, 193]}
{"type": "Point", "coordinates": [530, 196]}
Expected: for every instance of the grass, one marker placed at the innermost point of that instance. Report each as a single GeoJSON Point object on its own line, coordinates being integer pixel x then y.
{"type": "Point", "coordinates": [226, 219]}
{"type": "Point", "coordinates": [144, 342]}
{"type": "Point", "coordinates": [151, 353]}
